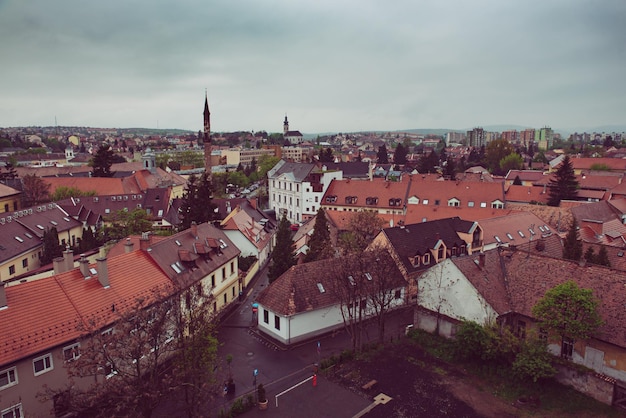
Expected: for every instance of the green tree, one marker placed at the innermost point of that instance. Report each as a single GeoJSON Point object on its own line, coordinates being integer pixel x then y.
{"type": "Point", "coordinates": [428, 163]}
{"type": "Point", "coordinates": [326, 155]}
{"type": "Point", "coordinates": [590, 257]}
{"type": "Point", "coordinates": [517, 181]}
{"type": "Point", "coordinates": [381, 155]}
{"type": "Point", "coordinates": [563, 185]}
{"type": "Point", "coordinates": [283, 255]}
{"type": "Point", "coordinates": [125, 223]}
{"type": "Point", "coordinates": [88, 241]}
{"type": "Point", "coordinates": [197, 205]}
{"type": "Point", "coordinates": [102, 162]}
{"type": "Point", "coordinates": [362, 228]}
{"type": "Point", "coordinates": [320, 246]}
{"type": "Point", "coordinates": [572, 246]}
{"type": "Point", "coordinates": [494, 153]}
{"type": "Point", "coordinates": [399, 155]}
{"type": "Point", "coordinates": [266, 163]}
{"type": "Point", "coordinates": [51, 247]}
{"type": "Point", "coordinates": [534, 361]}
{"type": "Point", "coordinates": [569, 311]}
{"type": "Point", "coordinates": [65, 192]}
{"type": "Point", "coordinates": [513, 161]}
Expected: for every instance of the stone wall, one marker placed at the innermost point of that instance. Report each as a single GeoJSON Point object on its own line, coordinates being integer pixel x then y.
{"type": "Point", "coordinates": [590, 383]}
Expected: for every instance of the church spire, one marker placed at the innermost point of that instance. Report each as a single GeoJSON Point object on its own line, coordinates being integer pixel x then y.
{"type": "Point", "coordinates": [285, 125]}
{"type": "Point", "coordinates": [207, 135]}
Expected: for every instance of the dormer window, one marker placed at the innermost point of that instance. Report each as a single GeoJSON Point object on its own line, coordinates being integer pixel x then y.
{"type": "Point", "coordinates": [415, 261]}
{"type": "Point", "coordinates": [395, 201]}
{"type": "Point", "coordinates": [426, 259]}
{"type": "Point", "coordinates": [371, 200]}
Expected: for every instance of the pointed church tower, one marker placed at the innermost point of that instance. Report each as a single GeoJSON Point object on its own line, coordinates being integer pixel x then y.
{"type": "Point", "coordinates": [285, 126]}
{"type": "Point", "coordinates": [207, 136]}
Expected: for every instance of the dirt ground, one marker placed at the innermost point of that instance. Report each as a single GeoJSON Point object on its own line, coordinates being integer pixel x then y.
{"type": "Point", "coordinates": [424, 387]}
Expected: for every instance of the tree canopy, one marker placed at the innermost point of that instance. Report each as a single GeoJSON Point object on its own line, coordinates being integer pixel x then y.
{"type": "Point", "coordinates": [564, 185]}
{"type": "Point", "coordinates": [569, 311]}
{"type": "Point", "coordinates": [197, 203]}
{"type": "Point", "coordinates": [399, 155]}
{"type": "Point", "coordinates": [102, 161]}
{"type": "Point", "coordinates": [283, 255]}
{"type": "Point", "coordinates": [382, 156]}
{"type": "Point", "coordinates": [363, 227]}
{"type": "Point", "coordinates": [320, 246]}
{"type": "Point", "coordinates": [572, 246]}
{"type": "Point", "coordinates": [495, 152]}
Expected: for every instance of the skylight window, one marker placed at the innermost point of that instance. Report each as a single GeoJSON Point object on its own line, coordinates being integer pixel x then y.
{"type": "Point", "coordinates": [368, 276]}
{"type": "Point", "coordinates": [521, 234]}
{"type": "Point", "coordinates": [176, 268]}
{"type": "Point", "coordinates": [178, 243]}
{"type": "Point", "coordinates": [28, 235]}
{"type": "Point", "coordinates": [55, 223]}
{"type": "Point", "coordinates": [40, 227]}
{"type": "Point", "coordinates": [509, 236]}
{"type": "Point", "coordinates": [321, 288]}
{"type": "Point", "coordinates": [351, 280]}
{"type": "Point", "coordinates": [222, 243]}
{"type": "Point", "coordinates": [19, 239]}
{"type": "Point", "coordinates": [66, 219]}
{"type": "Point", "coordinates": [497, 238]}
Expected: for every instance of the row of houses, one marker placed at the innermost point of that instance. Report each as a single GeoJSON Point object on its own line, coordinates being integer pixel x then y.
{"type": "Point", "coordinates": [42, 321]}
{"type": "Point", "coordinates": [447, 274]}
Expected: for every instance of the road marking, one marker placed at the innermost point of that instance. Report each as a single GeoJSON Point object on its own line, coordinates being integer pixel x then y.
{"type": "Point", "coordinates": [379, 399]}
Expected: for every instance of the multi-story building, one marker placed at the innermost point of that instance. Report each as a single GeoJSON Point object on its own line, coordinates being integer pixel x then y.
{"type": "Point", "coordinates": [476, 137]}
{"type": "Point", "coordinates": [236, 156]}
{"type": "Point", "coordinates": [9, 199]}
{"type": "Point", "coordinates": [527, 136]}
{"type": "Point", "coordinates": [454, 138]}
{"type": "Point", "coordinates": [544, 138]}
{"type": "Point", "coordinates": [41, 320]}
{"type": "Point", "coordinates": [511, 136]}
{"type": "Point", "coordinates": [295, 190]}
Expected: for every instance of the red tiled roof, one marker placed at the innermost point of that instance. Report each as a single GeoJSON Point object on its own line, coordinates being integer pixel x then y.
{"type": "Point", "coordinates": [526, 194]}
{"type": "Point", "coordinates": [46, 313]}
{"type": "Point", "coordinates": [528, 277]}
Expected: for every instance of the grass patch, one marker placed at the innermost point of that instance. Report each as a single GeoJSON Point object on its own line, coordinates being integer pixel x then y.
{"type": "Point", "coordinates": [553, 397]}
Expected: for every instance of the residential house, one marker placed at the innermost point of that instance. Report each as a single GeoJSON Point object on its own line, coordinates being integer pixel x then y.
{"type": "Point", "coordinates": [39, 337]}
{"type": "Point", "coordinates": [204, 256]}
{"type": "Point", "coordinates": [601, 222]}
{"type": "Point", "coordinates": [295, 190]}
{"type": "Point", "coordinates": [23, 232]}
{"type": "Point", "coordinates": [251, 230]}
{"type": "Point", "coordinates": [515, 229]}
{"type": "Point", "coordinates": [378, 195]}
{"type": "Point", "coordinates": [417, 247]}
{"type": "Point", "coordinates": [9, 198]}
{"type": "Point", "coordinates": [503, 285]}
{"type": "Point", "coordinates": [309, 299]}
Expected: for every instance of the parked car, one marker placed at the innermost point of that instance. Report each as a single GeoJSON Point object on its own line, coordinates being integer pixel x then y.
{"type": "Point", "coordinates": [295, 227]}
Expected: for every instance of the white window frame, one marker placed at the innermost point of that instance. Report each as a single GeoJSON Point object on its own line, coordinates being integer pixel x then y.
{"type": "Point", "coordinates": [74, 350]}
{"type": "Point", "coordinates": [9, 381]}
{"type": "Point", "coordinates": [45, 369]}
{"type": "Point", "coordinates": [12, 410]}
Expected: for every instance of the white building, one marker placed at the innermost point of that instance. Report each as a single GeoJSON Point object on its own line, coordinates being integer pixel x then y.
{"type": "Point", "coordinates": [296, 189]}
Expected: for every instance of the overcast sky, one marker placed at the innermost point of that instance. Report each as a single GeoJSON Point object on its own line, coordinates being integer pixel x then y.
{"type": "Point", "coordinates": [330, 65]}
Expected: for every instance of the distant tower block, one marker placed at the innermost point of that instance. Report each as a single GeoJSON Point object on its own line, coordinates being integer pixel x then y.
{"type": "Point", "coordinates": [207, 136]}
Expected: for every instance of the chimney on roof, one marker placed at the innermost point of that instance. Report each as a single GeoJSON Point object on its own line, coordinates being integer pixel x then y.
{"type": "Point", "coordinates": [103, 272]}
{"type": "Point", "coordinates": [128, 246]}
{"type": "Point", "coordinates": [58, 264]}
{"type": "Point", "coordinates": [68, 258]}
{"type": "Point", "coordinates": [83, 265]}
{"type": "Point", "coordinates": [194, 230]}
{"type": "Point", "coordinates": [253, 202]}
{"type": "Point", "coordinates": [481, 260]}
{"type": "Point", "coordinates": [437, 236]}
{"type": "Point", "coordinates": [144, 241]}
{"type": "Point", "coordinates": [3, 297]}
